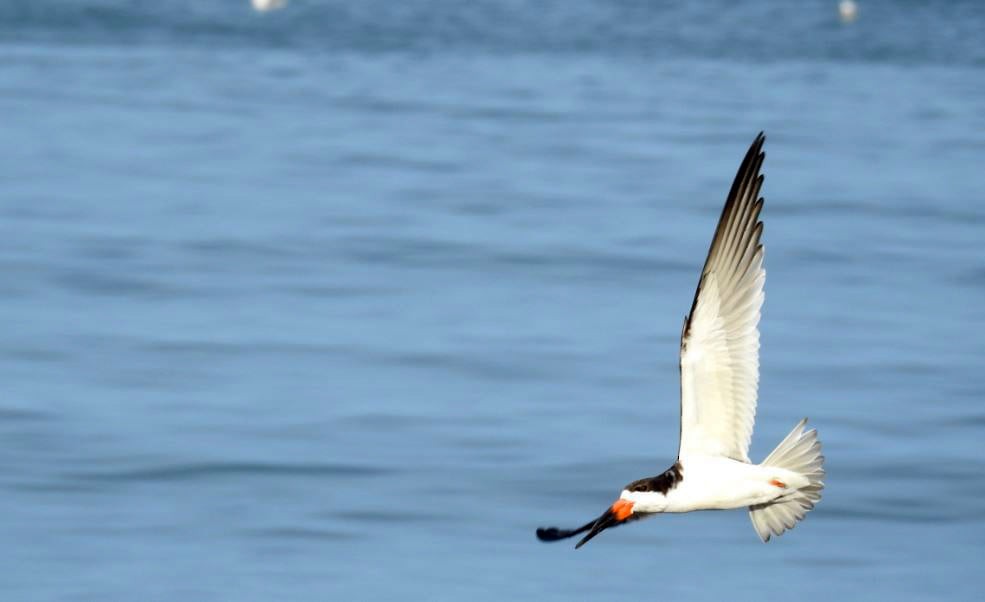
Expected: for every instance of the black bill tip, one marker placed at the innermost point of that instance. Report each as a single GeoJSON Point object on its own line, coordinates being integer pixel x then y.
{"type": "Point", "coordinates": [608, 519]}
{"type": "Point", "coordinates": [555, 534]}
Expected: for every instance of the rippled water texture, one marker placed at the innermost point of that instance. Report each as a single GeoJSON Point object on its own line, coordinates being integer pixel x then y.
{"type": "Point", "coordinates": [341, 301]}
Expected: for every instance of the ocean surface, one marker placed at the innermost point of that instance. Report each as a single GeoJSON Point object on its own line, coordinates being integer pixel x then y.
{"type": "Point", "coordinates": [342, 301]}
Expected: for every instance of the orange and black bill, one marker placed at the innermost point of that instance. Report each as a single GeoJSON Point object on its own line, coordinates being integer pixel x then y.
{"type": "Point", "coordinates": [616, 515]}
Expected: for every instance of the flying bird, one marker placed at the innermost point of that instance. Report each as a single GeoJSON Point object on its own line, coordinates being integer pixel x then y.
{"type": "Point", "coordinates": [719, 366]}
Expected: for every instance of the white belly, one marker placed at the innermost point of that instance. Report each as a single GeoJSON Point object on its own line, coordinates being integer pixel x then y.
{"type": "Point", "coordinates": [715, 483]}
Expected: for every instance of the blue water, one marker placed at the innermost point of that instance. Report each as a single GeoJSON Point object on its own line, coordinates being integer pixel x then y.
{"type": "Point", "coordinates": [341, 302]}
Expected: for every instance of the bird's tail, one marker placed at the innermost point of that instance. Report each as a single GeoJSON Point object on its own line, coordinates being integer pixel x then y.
{"type": "Point", "coordinates": [799, 452]}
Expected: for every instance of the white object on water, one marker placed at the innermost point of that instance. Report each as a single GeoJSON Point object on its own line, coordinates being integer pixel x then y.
{"type": "Point", "coordinates": [262, 6]}
{"type": "Point", "coordinates": [848, 10]}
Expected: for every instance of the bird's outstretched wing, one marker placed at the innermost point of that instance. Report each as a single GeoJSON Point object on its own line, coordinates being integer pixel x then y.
{"type": "Point", "coordinates": [720, 339]}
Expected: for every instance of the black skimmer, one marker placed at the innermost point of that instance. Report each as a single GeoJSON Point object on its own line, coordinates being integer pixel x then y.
{"type": "Point", "coordinates": [719, 365]}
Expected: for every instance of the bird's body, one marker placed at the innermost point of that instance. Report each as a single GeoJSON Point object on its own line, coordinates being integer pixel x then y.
{"type": "Point", "coordinates": [717, 483]}
{"type": "Point", "coordinates": [719, 364]}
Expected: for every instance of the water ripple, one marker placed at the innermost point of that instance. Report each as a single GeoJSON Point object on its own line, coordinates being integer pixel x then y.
{"type": "Point", "coordinates": [218, 470]}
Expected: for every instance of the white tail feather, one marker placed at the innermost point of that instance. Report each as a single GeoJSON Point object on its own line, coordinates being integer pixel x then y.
{"type": "Point", "coordinates": [800, 452]}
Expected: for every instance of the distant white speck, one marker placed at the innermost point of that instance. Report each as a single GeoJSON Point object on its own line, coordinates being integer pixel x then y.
{"type": "Point", "coordinates": [848, 10]}
{"type": "Point", "coordinates": [262, 6]}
